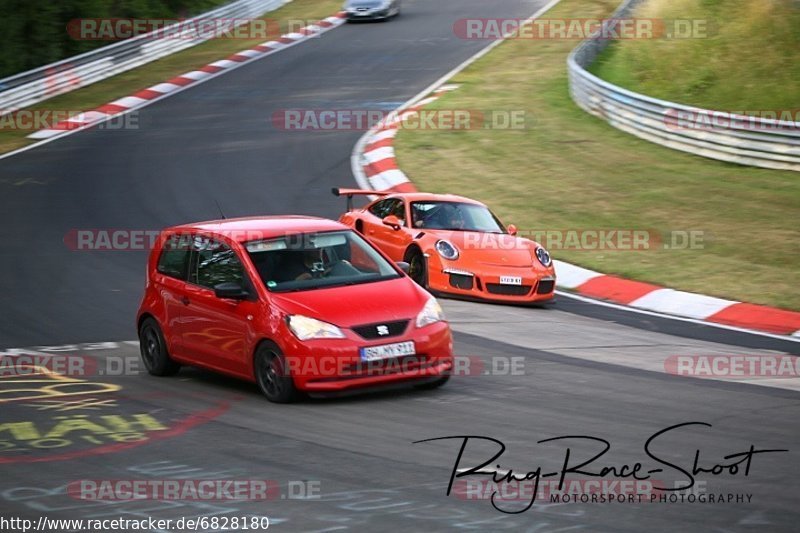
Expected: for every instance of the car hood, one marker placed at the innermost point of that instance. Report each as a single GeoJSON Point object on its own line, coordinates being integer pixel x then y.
{"type": "Point", "coordinates": [363, 3]}
{"type": "Point", "coordinates": [356, 305]}
{"type": "Point", "coordinates": [491, 248]}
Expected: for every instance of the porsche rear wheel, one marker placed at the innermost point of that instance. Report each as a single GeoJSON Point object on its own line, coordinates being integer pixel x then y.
{"type": "Point", "coordinates": [417, 268]}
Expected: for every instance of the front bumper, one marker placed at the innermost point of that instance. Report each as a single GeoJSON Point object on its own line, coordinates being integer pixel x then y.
{"type": "Point", "coordinates": [335, 365]}
{"type": "Point", "coordinates": [376, 14]}
{"type": "Point", "coordinates": [535, 284]}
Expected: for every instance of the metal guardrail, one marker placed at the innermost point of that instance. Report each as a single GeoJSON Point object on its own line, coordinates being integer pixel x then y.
{"type": "Point", "coordinates": [745, 140]}
{"type": "Point", "coordinates": [33, 86]}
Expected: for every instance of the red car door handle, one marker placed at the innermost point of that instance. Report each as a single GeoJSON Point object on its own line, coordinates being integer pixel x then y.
{"type": "Point", "coordinates": [185, 300]}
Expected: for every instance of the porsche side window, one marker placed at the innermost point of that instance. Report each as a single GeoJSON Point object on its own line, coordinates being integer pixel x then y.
{"type": "Point", "coordinates": [398, 209]}
{"type": "Point", "coordinates": [381, 209]}
{"type": "Point", "coordinates": [174, 258]}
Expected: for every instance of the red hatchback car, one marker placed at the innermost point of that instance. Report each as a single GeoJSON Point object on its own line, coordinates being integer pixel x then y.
{"type": "Point", "coordinates": [294, 304]}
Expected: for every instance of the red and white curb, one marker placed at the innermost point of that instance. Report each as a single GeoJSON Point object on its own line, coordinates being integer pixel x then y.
{"type": "Point", "coordinates": [189, 79]}
{"type": "Point", "coordinates": [648, 297]}
{"type": "Point", "coordinates": [377, 159]}
{"type": "Point", "coordinates": [375, 168]}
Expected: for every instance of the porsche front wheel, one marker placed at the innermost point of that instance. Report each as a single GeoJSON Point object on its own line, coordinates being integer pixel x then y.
{"type": "Point", "coordinates": [417, 267]}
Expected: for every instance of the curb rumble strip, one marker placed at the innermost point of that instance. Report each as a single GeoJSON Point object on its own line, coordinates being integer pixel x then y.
{"type": "Point", "coordinates": [375, 167]}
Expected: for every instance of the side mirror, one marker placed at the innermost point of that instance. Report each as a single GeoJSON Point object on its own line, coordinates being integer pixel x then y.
{"type": "Point", "coordinates": [393, 222]}
{"type": "Point", "coordinates": [512, 229]}
{"type": "Point", "coordinates": [230, 291]}
{"type": "Point", "coordinates": [405, 267]}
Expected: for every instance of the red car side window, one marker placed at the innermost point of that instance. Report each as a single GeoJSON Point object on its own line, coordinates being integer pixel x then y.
{"type": "Point", "coordinates": [174, 258]}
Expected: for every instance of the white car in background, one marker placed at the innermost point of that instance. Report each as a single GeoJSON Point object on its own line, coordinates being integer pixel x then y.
{"type": "Point", "coordinates": [371, 9]}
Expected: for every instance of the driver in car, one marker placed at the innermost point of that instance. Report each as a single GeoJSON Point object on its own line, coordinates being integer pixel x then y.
{"type": "Point", "coordinates": [312, 265]}
{"type": "Point", "coordinates": [305, 265]}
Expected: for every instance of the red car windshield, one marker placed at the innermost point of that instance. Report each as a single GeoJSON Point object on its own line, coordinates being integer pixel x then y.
{"type": "Point", "coordinates": [454, 216]}
{"type": "Point", "coordinates": [309, 261]}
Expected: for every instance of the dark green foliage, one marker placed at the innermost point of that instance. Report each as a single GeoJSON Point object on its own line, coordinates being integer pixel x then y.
{"type": "Point", "coordinates": [34, 32]}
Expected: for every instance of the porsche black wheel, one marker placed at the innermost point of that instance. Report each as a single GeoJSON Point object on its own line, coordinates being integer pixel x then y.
{"type": "Point", "coordinates": [417, 267]}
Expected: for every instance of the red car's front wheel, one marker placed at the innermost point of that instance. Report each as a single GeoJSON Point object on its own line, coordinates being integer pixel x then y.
{"type": "Point", "coordinates": [272, 375]}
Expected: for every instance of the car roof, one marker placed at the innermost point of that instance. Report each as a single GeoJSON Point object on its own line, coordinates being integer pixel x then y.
{"type": "Point", "coordinates": [428, 197]}
{"type": "Point", "coordinates": [264, 227]}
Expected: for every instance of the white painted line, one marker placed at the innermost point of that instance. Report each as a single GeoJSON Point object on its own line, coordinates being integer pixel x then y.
{"type": "Point", "coordinates": [571, 276]}
{"type": "Point", "coordinates": [681, 303]}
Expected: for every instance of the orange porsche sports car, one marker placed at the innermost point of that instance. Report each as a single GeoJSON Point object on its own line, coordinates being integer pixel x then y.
{"type": "Point", "coordinates": [454, 245]}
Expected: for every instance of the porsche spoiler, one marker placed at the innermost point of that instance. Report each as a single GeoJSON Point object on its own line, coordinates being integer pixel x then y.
{"type": "Point", "coordinates": [349, 193]}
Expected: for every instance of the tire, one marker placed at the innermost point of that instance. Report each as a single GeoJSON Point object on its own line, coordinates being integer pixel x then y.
{"type": "Point", "coordinates": [153, 349]}
{"type": "Point", "coordinates": [433, 384]}
{"type": "Point", "coordinates": [269, 368]}
{"type": "Point", "coordinates": [417, 269]}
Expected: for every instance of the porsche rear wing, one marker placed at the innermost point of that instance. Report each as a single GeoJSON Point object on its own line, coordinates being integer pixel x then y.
{"type": "Point", "coordinates": [337, 191]}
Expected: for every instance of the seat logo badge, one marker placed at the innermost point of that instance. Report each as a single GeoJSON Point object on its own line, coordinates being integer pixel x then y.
{"type": "Point", "coordinates": [383, 330]}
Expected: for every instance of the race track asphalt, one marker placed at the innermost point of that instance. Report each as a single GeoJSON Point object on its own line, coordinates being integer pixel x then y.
{"type": "Point", "coordinates": [582, 369]}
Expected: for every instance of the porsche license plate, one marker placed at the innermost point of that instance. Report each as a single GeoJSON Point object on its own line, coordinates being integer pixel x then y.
{"type": "Point", "coordinates": [388, 351]}
{"type": "Point", "coordinates": [510, 280]}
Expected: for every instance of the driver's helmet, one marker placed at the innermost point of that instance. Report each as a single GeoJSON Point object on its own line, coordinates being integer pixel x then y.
{"type": "Point", "coordinates": [451, 217]}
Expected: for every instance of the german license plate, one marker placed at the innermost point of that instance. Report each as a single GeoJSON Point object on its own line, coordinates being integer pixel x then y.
{"type": "Point", "coordinates": [510, 280]}
{"type": "Point", "coordinates": [388, 351]}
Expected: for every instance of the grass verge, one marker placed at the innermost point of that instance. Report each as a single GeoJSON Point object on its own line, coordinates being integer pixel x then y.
{"type": "Point", "coordinates": [746, 55]}
{"type": "Point", "coordinates": [150, 74]}
{"type": "Point", "coordinates": [571, 171]}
